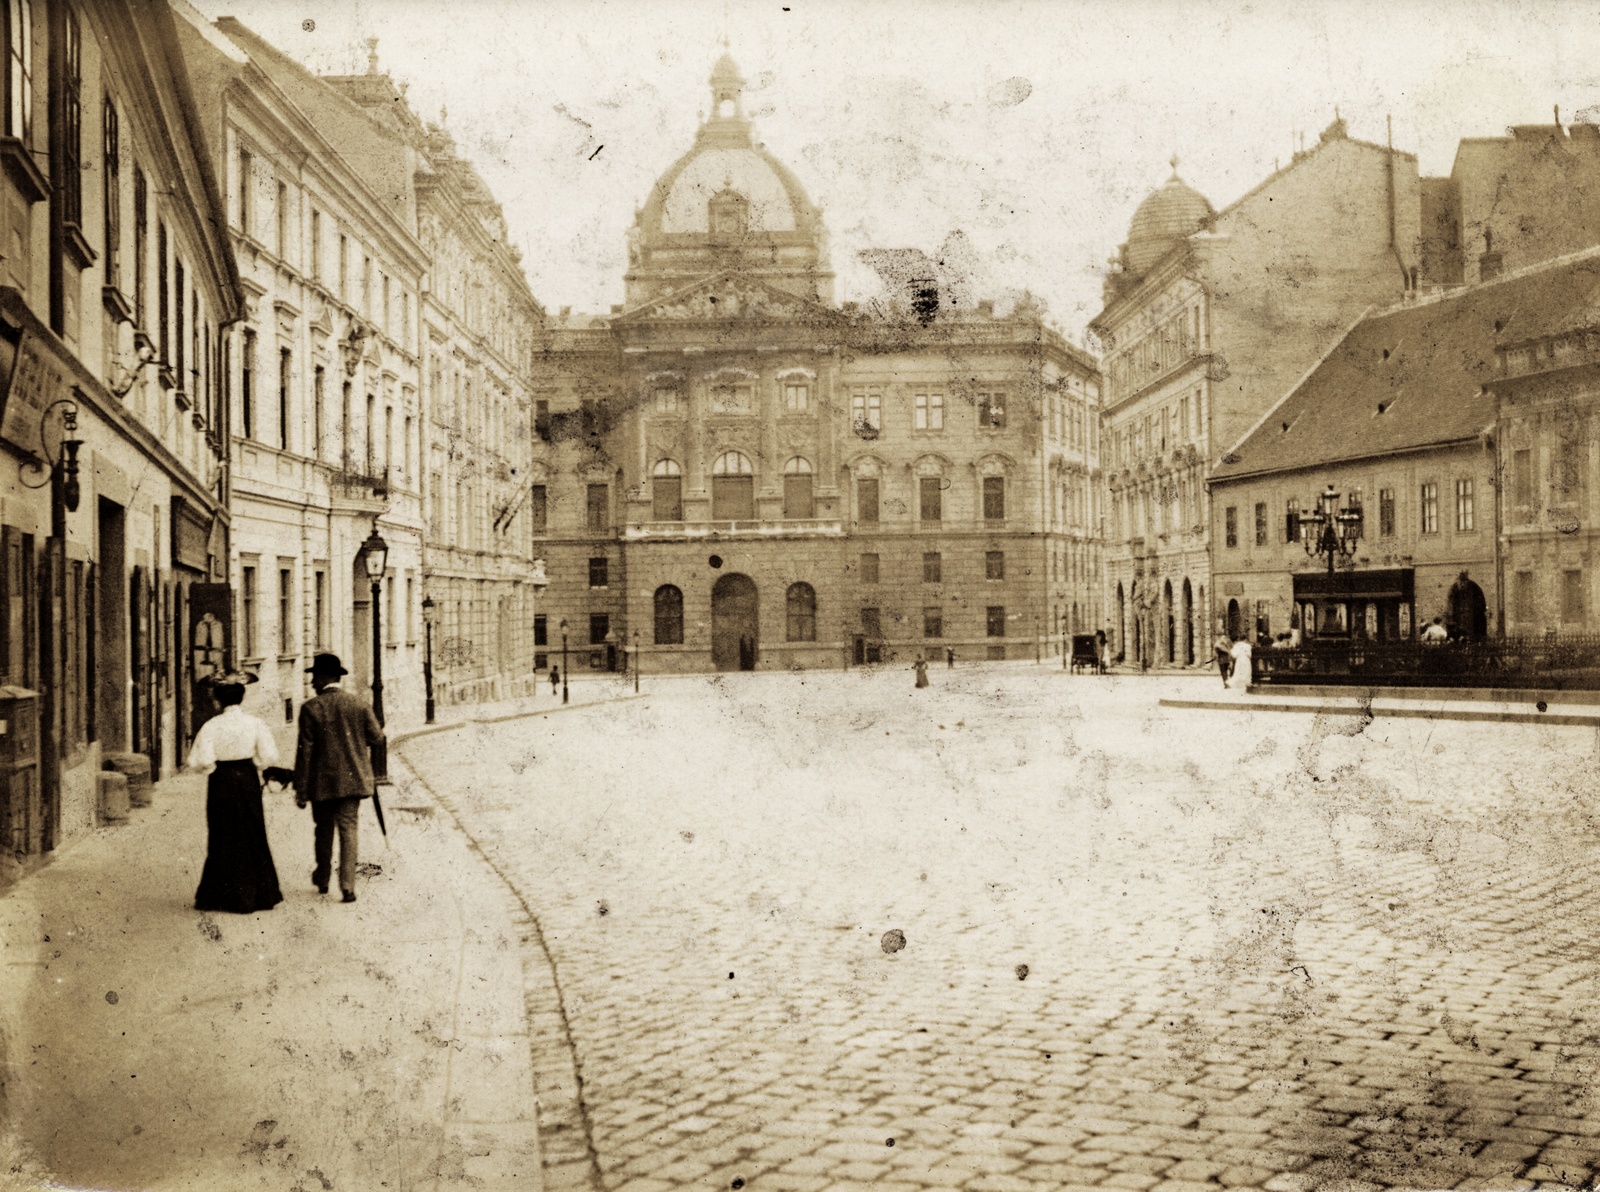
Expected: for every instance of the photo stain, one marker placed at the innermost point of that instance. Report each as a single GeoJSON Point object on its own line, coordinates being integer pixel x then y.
{"type": "Point", "coordinates": [893, 940]}
{"type": "Point", "coordinates": [1022, 972]}
{"type": "Point", "coordinates": [111, 996]}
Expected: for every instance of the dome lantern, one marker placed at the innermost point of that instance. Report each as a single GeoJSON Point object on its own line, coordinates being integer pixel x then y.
{"type": "Point", "coordinates": [727, 90]}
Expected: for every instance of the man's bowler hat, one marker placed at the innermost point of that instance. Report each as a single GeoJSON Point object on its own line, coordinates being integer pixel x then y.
{"type": "Point", "coordinates": [326, 664]}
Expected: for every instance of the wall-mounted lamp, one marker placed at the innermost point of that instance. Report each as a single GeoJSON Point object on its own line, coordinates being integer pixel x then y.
{"type": "Point", "coordinates": [65, 463]}
{"type": "Point", "coordinates": [146, 354]}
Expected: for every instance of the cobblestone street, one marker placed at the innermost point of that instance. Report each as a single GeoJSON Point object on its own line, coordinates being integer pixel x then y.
{"type": "Point", "coordinates": [1021, 930]}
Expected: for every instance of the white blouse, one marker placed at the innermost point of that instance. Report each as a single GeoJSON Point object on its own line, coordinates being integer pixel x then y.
{"type": "Point", "coordinates": [232, 736]}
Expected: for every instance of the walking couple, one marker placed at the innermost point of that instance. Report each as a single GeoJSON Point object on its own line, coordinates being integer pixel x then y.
{"type": "Point", "coordinates": [332, 772]}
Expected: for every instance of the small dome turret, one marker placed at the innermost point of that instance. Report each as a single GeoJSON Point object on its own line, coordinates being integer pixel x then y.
{"type": "Point", "coordinates": [1166, 216]}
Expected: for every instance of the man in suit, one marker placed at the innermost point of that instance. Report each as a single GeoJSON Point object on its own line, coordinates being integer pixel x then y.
{"type": "Point", "coordinates": [333, 768]}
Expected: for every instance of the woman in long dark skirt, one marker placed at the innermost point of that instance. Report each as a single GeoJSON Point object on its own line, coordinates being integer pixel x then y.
{"type": "Point", "coordinates": [239, 876]}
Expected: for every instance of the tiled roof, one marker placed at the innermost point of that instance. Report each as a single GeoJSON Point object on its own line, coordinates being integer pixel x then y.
{"type": "Point", "coordinates": [1413, 376]}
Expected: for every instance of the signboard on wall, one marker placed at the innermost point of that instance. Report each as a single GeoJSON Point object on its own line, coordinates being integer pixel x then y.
{"type": "Point", "coordinates": [38, 378]}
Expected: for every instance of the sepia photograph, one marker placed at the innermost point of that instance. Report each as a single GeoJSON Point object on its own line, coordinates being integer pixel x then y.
{"type": "Point", "coordinates": [622, 596]}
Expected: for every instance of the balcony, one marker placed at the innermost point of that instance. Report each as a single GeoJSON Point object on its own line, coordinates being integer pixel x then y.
{"type": "Point", "coordinates": [354, 484]}
{"type": "Point", "coordinates": [664, 531]}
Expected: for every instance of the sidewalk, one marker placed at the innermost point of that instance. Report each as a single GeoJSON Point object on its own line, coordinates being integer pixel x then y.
{"type": "Point", "coordinates": [385, 1044]}
{"type": "Point", "coordinates": [1500, 707]}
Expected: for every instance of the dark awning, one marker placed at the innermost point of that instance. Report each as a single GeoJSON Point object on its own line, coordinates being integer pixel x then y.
{"type": "Point", "coordinates": [1396, 584]}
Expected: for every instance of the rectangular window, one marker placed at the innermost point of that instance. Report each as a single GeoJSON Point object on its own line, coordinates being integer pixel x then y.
{"type": "Point", "coordinates": [869, 568]}
{"type": "Point", "coordinates": [599, 508]}
{"type": "Point", "coordinates": [406, 449]}
{"type": "Point", "coordinates": [281, 217]}
{"type": "Point", "coordinates": [285, 611]}
{"type": "Point", "coordinates": [866, 412]}
{"type": "Point", "coordinates": [1430, 508]}
{"type": "Point", "coordinates": [344, 267]}
{"type": "Point", "coordinates": [247, 185]}
{"type": "Point", "coordinates": [541, 420]}
{"type": "Point", "coordinates": [371, 428]}
{"type": "Point", "coordinates": [1291, 520]}
{"type": "Point", "coordinates": [599, 628]}
{"type": "Point", "coordinates": [796, 397]}
{"type": "Point", "coordinates": [1522, 596]}
{"type": "Point", "coordinates": [666, 498]}
{"type": "Point", "coordinates": [1386, 519]}
{"type": "Point", "coordinates": [366, 285]}
{"type": "Point", "coordinates": [538, 508]}
{"type": "Point", "coordinates": [541, 630]}
{"type": "Point", "coordinates": [388, 326]}
{"type": "Point", "coordinates": [319, 594]}
{"type": "Point", "coordinates": [388, 437]}
{"type": "Point", "coordinates": [1572, 601]}
{"type": "Point", "coordinates": [598, 572]}
{"type": "Point", "coordinates": [247, 384]}
{"type": "Point", "coordinates": [992, 410]}
{"type": "Point", "coordinates": [163, 297]}
{"type": "Point", "coordinates": [247, 612]}
{"type": "Point", "coordinates": [932, 567]}
{"type": "Point", "coordinates": [1466, 514]}
{"type": "Point", "coordinates": [867, 500]}
{"type": "Point", "coordinates": [1230, 523]}
{"type": "Point", "coordinates": [178, 347]}
{"type": "Point", "coordinates": [1568, 478]}
{"type": "Point", "coordinates": [933, 621]}
{"type": "Point", "coordinates": [19, 71]}
{"type": "Point", "coordinates": [316, 245]}
{"type": "Point", "coordinates": [1522, 476]}
{"type": "Point", "coordinates": [284, 367]}
{"type": "Point", "coordinates": [318, 414]}
{"type": "Point", "coordinates": [994, 498]}
{"type": "Point", "coordinates": [733, 498]}
{"type": "Point", "coordinates": [930, 491]}
{"type": "Point", "coordinates": [1261, 523]}
{"type": "Point", "coordinates": [141, 244]}
{"type": "Point", "coordinates": [72, 120]}
{"type": "Point", "coordinates": [995, 620]}
{"type": "Point", "coordinates": [666, 400]}
{"type": "Point", "coordinates": [411, 609]}
{"type": "Point", "coordinates": [928, 411]}
{"type": "Point", "coordinates": [994, 564]}
{"type": "Point", "coordinates": [111, 188]}
{"type": "Point", "coordinates": [871, 623]}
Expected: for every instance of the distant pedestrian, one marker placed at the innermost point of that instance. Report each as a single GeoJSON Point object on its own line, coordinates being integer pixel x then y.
{"type": "Point", "coordinates": [233, 747]}
{"type": "Point", "coordinates": [555, 679]}
{"type": "Point", "coordinates": [1242, 670]}
{"type": "Point", "coordinates": [922, 672]}
{"type": "Point", "coordinates": [1102, 651]}
{"type": "Point", "coordinates": [950, 657]}
{"type": "Point", "coordinates": [1436, 634]}
{"type": "Point", "coordinates": [333, 769]}
{"type": "Point", "coordinates": [1223, 649]}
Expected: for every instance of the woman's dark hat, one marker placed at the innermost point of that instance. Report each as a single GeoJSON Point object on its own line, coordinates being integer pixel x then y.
{"type": "Point", "coordinates": [326, 664]}
{"type": "Point", "coordinates": [236, 679]}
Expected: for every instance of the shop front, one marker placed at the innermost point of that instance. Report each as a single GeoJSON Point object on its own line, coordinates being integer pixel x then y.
{"type": "Point", "coordinates": [1357, 605]}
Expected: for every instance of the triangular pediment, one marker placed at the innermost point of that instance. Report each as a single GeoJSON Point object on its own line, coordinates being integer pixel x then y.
{"type": "Point", "coordinates": [731, 295]}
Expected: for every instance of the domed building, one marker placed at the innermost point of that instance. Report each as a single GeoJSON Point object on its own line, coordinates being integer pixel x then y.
{"type": "Point", "coordinates": [728, 203]}
{"type": "Point", "coordinates": [735, 473]}
{"type": "Point", "coordinates": [1210, 317]}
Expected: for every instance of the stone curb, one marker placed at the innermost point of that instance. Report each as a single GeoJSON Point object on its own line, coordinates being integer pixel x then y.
{"type": "Point", "coordinates": [1395, 712]}
{"type": "Point", "coordinates": [566, 1139]}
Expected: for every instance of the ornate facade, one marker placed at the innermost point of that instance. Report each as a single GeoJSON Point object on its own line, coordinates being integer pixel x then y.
{"type": "Point", "coordinates": [739, 474]}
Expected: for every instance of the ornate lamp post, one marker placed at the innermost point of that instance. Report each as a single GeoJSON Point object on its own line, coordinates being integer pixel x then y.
{"type": "Point", "coordinates": [375, 558]}
{"type": "Point", "coordinates": [564, 664]}
{"type": "Point", "coordinates": [1331, 532]}
{"type": "Point", "coordinates": [538, 581]}
{"type": "Point", "coordinates": [430, 614]}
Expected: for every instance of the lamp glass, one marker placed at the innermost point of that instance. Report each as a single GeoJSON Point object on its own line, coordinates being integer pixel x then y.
{"type": "Point", "coordinates": [375, 556]}
{"type": "Point", "coordinates": [429, 610]}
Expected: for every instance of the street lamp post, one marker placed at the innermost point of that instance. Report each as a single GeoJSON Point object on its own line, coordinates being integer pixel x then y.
{"type": "Point", "coordinates": [1331, 532]}
{"type": "Point", "coordinates": [375, 558]}
{"type": "Point", "coordinates": [429, 615]}
{"type": "Point", "coordinates": [636, 662]}
{"type": "Point", "coordinates": [565, 666]}
{"type": "Point", "coordinates": [538, 581]}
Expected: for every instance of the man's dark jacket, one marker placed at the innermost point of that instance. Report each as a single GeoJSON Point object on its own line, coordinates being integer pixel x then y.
{"type": "Point", "coordinates": [334, 758]}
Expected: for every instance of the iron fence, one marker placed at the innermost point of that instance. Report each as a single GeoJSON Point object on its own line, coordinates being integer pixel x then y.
{"type": "Point", "coordinates": [1550, 661]}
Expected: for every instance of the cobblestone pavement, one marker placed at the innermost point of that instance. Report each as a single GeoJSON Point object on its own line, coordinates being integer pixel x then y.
{"type": "Point", "coordinates": [1143, 948]}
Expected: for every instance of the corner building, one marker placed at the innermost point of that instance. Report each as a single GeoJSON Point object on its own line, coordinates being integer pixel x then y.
{"type": "Point", "coordinates": [734, 473]}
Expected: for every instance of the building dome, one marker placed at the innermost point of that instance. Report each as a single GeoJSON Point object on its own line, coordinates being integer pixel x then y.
{"type": "Point", "coordinates": [1166, 216]}
{"type": "Point", "coordinates": [727, 198]}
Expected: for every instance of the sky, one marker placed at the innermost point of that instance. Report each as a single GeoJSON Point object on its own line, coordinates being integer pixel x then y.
{"type": "Point", "coordinates": [1035, 128]}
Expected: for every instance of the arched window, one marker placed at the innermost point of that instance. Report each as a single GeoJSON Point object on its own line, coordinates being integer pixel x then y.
{"type": "Point", "coordinates": [733, 488]}
{"type": "Point", "coordinates": [801, 605]}
{"type": "Point", "coordinates": [666, 491]}
{"type": "Point", "coordinates": [669, 616]}
{"type": "Point", "coordinates": [797, 491]}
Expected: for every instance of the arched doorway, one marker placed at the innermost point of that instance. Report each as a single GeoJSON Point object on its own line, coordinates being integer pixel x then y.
{"type": "Point", "coordinates": [735, 623]}
{"type": "Point", "coordinates": [1171, 622]}
{"type": "Point", "coordinates": [1235, 629]}
{"type": "Point", "coordinates": [1469, 612]}
{"type": "Point", "coordinates": [1188, 624]}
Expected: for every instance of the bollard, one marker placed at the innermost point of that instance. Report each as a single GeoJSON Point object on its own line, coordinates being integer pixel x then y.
{"type": "Point", "coordinates": [113, 797]}
{"type": "Point", "coordinates": [135, 767]}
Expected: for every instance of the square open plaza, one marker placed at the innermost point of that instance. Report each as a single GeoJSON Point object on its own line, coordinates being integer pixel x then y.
{"type": "Point", "coordinates": [847, 726]}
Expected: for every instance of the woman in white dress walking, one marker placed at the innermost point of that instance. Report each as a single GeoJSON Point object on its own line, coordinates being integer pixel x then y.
{"type": "Point", "coordinates": [233, 747]}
